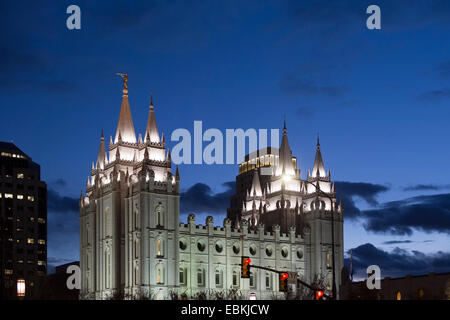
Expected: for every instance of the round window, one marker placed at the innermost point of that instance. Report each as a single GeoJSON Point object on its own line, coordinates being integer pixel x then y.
{"type": "Point", "coordinates": [284, 252]}
{"type": "Point", "coordinates": [252, 250]}
{"type": "Point", "coordinates": [183, 245]}
{"type": "Point", "coordinates": [219, 247]}
{"type": "Point", "coordinates": [269, 251]}
{"type": "Point", "coordinates": [299, 253]}
{"type": "Point", "coordinates": [236, 249]}
{"type": "Point", "coordinates": [201, 246]}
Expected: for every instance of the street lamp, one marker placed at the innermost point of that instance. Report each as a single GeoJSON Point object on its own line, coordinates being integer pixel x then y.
{"type": "Point", "coordinates": [20, 288]}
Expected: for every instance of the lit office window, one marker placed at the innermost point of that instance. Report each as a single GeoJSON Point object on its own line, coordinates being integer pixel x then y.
{"type": "Point", "coordinates": [8, 196]}
{"type": "Point", "coordinates": [30, 240]}
{"type": "Point", "coordinates": [41, 241]}
{"type": "Point", "coordinates": [20, 176]}
{"type": "Point", "coordinates": [41, 220]}
{"type": "Point", "coordinates": [41, 263]}
{"type": "Point", "coordinates": [20, 196]}
{"type": "Point", "coordinates": [31, 198]}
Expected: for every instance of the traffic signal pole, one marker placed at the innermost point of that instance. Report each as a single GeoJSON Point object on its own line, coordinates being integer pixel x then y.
{"type": "Point", "coordinates": [298, 280]}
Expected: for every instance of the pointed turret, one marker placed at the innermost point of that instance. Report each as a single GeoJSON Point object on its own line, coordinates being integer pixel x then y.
{"type": "Point", "coordinates": [177, 174]}
{"type": "Point", "coordinates": [125, 126]}
{"type": "Point", "coordinates": [152, 131]}
{"type": "Point", "coordinates": [256, 190]}
{"type": "Point", "coordinates": [102, 159]}
{"type": "Point", "coordinates": [169, 157]}
{"type": "Point", "coordinates": [285, 163]}
{"type": "Point", "coordinates": [318, 168]}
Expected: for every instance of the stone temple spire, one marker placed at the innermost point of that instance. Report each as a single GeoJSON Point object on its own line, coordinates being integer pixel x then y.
{"type": "Point", "coordinates": [102, 159]}
{"type": "Point", "coordinates": [256, 185]}
{"type": "Point", "coordinates": [285, 161]}
{"type": "Point", "coordinates": [125, 126]}
{"type": "Point", "coordinates": [318, 168]}
{"type": "Point", "coordinates": [152, 131]}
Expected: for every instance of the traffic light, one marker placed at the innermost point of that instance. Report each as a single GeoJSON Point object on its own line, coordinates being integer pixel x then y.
{"type": "Point", "coordinates": [245, 267]}
{"type": "Point", "coordinates": [319, 295]}
{"type": "Point", "coordinates": [283, 281]}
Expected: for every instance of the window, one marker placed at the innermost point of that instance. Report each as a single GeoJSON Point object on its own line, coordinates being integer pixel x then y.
{"type": "Point", "coordinates": [136, 219]}
{"type": "Point", "coordinates": [399, 295]}
{"type": "Point", "coordinates": [252, 280]}
{"type": "Point", "coordinates": [20, 196]}
{"type": "Point", "coordinates": [268, 251]}
{"type": "Point", "coordinates": [20, 176]}
{"type": "Point", "coordinates": [284, 252]}
{"type": "Point", "coordinates": [201, 246]}
{"type": "Point", "coordinates": [219, 247]}
{"type": "Point", "coordinates": [421, 293]}
{"type": "Point", "coordinates": [160, 275]}
{"type": "Point", "coordinates": [236, 248]}
{"type": "Point", "coordinates": [236, 277]}
{"type": "Point", "coordinates": [41, 241]}
{"type": "Point", "coordinates": [159, 216]}
{"type": "Point", "coordinates": [328, 260]}
{"type": "Point", "coordinates": [268, 281]}
{"type": "Point", "coordinates": [200, 277]}
{"type": "Point", "coordinates": [108, 222]}
{"type": "Point", "coordinates": [219, 278]}
{"type": "Point", "coordinates": [252, 250]}
{"type": "Point", "coordinates": [8, 196]}
{"type": "Point", "coordinates": [40, 220]}
{"type": "Point", "coordinates": [31, 198]}
{"type": "Point", "coordinates": [41, 263]}
{"type": "Point", "coordinates": [160, 248]}
{"type": "Point", "coordinates": [183, 245]}
{"type": "Point", "coordinates": [8, 271]}
{"type": "Point", "coordinates": [30, 240]}
{"type": "Point", "coordinates": [183, 276]}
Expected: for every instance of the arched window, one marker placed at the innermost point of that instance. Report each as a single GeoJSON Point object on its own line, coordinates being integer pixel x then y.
{"type": "Point", "coordinates": [200, 277]}
{"type": "Point", "coordinates": [159, 216]}
{"type": "Point", "coordinates": [219, 278]}
{"type": "Point", "coordinates": [136, 248]}
{"type": "Point", "coordinates": [160, 274]}
{"type": "Point", "coordinates": [421, 294]}
{"type": "Point", "coordinates": [136, 275]}
{"type": "Point", "coordinates": [328, 260]}
{"type": "Point", "coordinates": [252, 280]}
{"type": "Point", "coordinates": [236, 278]}
{"type": "Point", "coordinates": [399, 295]}
{"type": "Point", "coordinates": [108, 222]}
{"type": "Point", "coordinates": [87, 233]}
{"type": "Point", "coordinates": [160, 248]}
{"type": "Point", "coordinates": [268, 281]}
{"type": "Point", "coordinates": [136, 219]}
{"type": "Point", "coordinates": [107, 269]}
{"type": "Point", "coordinates": [183, 277]}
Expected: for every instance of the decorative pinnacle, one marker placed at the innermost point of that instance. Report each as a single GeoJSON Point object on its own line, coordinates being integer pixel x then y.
{"type": "Point", "coordinates": [318, 142]}
{"type": "Point", "coordinates": [284, 127]}
{"type": "Point", "coordinates": [102, 137]}
{"type": "Point", "coordinates": [151, 102]}
{"type": "Point", "coordinates": [125, 81]}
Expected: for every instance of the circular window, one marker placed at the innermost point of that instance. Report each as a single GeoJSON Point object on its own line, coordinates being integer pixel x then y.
{"type": "Point", "coordinates": [183, 245]}
{"type": "Point", "coordinates": [269, 251]}
{"type": "Point", "coordinates": [236, 249]}
{"type": "Point", "coordinates": [284, 252]}
{"type": "Point", "coordinates": [252, 250]}
{"type": "Point", "coordinates": [299, 253]}
{"type": "Point", "coordinates": [219, 247]}
{"type": "Point", "coordinates": [200, 246]}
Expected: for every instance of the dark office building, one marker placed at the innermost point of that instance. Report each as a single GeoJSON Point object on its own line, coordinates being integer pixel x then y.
{"type": "Point", "coordinates": [23, 223]}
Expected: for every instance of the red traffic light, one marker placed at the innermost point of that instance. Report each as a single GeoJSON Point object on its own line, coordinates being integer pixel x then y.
{"type": "Point", "coordinates": [319, 294]}
{"type": "Point", "coordinates": [247, 261]}
{"type": "Point", "coordinates": [284, 276]}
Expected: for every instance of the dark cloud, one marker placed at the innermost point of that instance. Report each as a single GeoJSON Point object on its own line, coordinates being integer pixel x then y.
{"type": "Point", "coordinates": [435, 95]}
{"type": "Point", "coordinates": [426, 187]}
{"type": "Point", "coordinates": [292, 84]}
{"type": "Point", "coordinates": [304, 112]}
{"type": "Point", "coordinates": [424, 213]}
{"type": "Point", "coordinates": [363, 190]}
{"type": "Point", "coordinates": [61, 183]}
{"type": "Point", "coordinates": [397, 241]}
{"type": "Point", "coordinates": [398, 262]}
{"type": "Point", "coordinates": [61, 204]}
{"type": "Point", "coordinates": [200, 199]}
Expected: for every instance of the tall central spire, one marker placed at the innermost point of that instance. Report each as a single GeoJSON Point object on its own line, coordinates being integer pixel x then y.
{"type": "Point", "coordinates": [125, 126]}
{"type": "Point", "coordinates": [318, 168]}
{"type": "Point", "coordinates": [151, 131]}
{"type": "Point", "coordinates": [285, 161]}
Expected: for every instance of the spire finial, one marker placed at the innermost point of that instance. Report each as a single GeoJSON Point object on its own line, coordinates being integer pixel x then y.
{"type": "Point", "coordinates": [102, 137]}
{"type": "Point", "coordinates": [151, 101]}
{"type": "Point", "coordinates": [284, 127]}
{"type": "Point", "coordinates": [125, 81]}
{"type": "Point", "coordinates": [318, 142]}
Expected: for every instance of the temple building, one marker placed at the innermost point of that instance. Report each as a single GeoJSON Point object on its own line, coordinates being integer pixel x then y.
{"type": "Point", "coordinates": [133, 245]}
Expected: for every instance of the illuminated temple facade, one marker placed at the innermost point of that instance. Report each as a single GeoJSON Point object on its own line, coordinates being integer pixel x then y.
{"type": "Point", "coordinates": [132, 243]}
